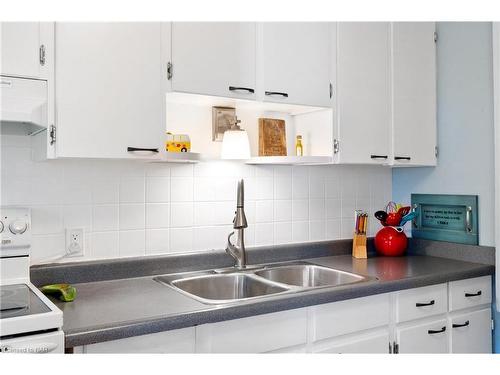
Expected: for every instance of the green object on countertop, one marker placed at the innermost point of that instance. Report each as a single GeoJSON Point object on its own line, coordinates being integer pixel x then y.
{"type": "Point", "coordinates": [65, 292]}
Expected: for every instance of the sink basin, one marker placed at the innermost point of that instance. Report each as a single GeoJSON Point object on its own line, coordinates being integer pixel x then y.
{"type": "Point", "coordinates": [308, 276]}
{"type": "Point", "coordinates": [225, 288]}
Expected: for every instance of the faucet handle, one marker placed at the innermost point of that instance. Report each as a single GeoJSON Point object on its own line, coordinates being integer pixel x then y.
{"type": "Point", "coordinates": [231, 249]}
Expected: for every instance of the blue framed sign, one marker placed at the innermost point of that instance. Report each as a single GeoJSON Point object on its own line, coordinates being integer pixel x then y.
{"type": "Point", "coordinates": [442, 217]}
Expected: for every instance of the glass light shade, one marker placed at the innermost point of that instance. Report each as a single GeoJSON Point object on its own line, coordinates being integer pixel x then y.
{"type": "Point", "coordinates": [235, 145]}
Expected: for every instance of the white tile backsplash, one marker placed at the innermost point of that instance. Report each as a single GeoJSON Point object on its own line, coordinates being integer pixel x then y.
{"type": "Point", "coordinates": [105, 217]}
{"type": "Point", "coordinates": [105, 245]}
{"type": "Point", "coordinates": [157, 241]}
{"type": "Point", "coordinates": [132, 243]}
{"type": "Point", "coordinates": [132, 216]}
{"type": "Point", "coordinates": [132, 190]}
{"type": "Point", "coordinates": [157, 189]}
{"type": "Point", "coordinates": [181, 214]}
{"type": "Point", "coordinates": [131, 208]}
{"type": "Point", "coordinates": [181, 189]}
{"type": "Point", "coordinates": [157, 215]}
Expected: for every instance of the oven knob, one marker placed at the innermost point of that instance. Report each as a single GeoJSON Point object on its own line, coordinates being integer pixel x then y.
{"type": "Point", "coordinates": [1, 226]}
{"type": "Point", "coordinates": [18, 226]}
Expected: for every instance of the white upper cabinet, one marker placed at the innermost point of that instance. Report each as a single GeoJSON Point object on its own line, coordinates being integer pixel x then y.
{"type": "Point", "coordinates": [294, 63]}
{"type": "Point", "coordinates": [414, 93]}
{"type": "Point", "coordinates": [363, 101]}
{"type": "Point", "coordinates": [214, 58]}
{"type": "Point", "coordinates": [110, 86]}
{"type": "Point", "coordinates": [27, 49]}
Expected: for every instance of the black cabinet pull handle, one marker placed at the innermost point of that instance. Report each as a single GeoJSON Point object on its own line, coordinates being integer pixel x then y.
{"type": "Point", "coordinates": [430, 303]}
{"type": "Point", "coordinates": [132, 149]}
{"type": "Point", "coordinates": [433, 332]}
{"type": "Point", "coordinates": [461, 325]}
{"type": "Point", "coordinates": [271, 93]}
{"type": "Point", "coordinates": [402, 158]}
{"type": "Point", "coordinates": [236, 88]}
{"type": "Point", "coordinates": [473, 294]}
{"type": "Point", "coordinates": [378, 156]}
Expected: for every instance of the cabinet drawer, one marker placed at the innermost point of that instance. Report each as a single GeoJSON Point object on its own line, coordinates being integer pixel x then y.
{"type": "Point", "coordinates": [423, 338]}
{"type": "Point", "coordinates": [255, 334]}
{"type": "Point", "coordinates": [470, 292]}
{"type": "Point", "coordinates": [421, 302]}
{"type": "Point", "coordinates": [471, 332]}
{"type": "Point", "coordinates": [340, 318]}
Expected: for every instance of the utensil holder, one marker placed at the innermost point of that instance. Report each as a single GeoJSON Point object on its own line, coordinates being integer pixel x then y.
{"type": "Point", "coordinates": [359, 246]}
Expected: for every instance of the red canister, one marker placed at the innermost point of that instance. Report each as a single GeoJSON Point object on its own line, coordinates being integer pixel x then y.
{"type": "Point", "coordinates": [391, 241]}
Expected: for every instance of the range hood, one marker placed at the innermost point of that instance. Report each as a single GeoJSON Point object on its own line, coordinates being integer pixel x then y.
{"type": "Point", "coordinates": [23, 106]}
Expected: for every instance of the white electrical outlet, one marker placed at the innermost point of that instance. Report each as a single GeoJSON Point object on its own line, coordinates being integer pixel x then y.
{"type": "Point", "coordinates": [75, 242]}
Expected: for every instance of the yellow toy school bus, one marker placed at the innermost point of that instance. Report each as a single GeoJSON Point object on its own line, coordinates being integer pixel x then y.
{"type": "Point", "coordinates": [178, 143]}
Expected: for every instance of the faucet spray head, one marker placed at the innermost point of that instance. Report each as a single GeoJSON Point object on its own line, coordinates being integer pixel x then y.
{"type": "Point", "coordinates": [240, 220]}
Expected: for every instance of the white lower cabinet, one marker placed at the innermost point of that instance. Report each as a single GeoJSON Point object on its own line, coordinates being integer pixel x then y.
{"type": "Point", "coordinates": [428, 337]}
{"type": "Point", "coordinates": [453, 317]}
{"type": "Point", "coordinates": [469, 332]}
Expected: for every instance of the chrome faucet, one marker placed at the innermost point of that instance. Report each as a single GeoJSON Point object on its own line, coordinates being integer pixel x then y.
{"type": "Point", "coordinates": [239, 223]}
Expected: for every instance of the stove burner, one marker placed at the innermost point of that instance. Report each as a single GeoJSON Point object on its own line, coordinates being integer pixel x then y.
{"type": "Point", "coordinates": [19, 300]}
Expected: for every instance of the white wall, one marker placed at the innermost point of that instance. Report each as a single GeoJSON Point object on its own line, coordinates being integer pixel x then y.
{"type": "Point", "coordinates": [131, 208]}
{"type": "Point", "coordinates": [465, 124]}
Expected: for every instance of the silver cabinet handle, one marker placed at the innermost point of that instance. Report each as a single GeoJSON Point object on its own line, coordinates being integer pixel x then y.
{"type": "Point", "coordinates": [42, 55]}
{"type": "Point", "coordinates": [468, 219]}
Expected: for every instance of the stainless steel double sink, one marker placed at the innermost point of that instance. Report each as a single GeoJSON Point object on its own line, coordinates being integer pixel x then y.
{"type": "Point", "coordinates": [230, 285]}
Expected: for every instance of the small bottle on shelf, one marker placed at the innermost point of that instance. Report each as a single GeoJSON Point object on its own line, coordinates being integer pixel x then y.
{"type": "Point", "coordinates": [299, 151]}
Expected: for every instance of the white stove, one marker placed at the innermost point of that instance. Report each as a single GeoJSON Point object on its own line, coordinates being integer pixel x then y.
{"type": "Point", "coordinates": [29, 321]}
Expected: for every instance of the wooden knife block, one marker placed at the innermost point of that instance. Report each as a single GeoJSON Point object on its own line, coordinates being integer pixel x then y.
{"type": "Point", "coordinates": [359, 246]}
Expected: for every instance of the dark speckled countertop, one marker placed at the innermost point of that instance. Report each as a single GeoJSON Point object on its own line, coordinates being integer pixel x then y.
{"type": "Point", "coordinates": [114, 309]}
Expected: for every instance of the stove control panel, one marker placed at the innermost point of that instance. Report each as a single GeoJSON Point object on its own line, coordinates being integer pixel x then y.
{"type": "Point", "coordinates": [15, 228]}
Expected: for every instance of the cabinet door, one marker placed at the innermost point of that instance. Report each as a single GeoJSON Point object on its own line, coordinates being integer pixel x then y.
{"type": "Point", "coordinates": [363, 92]}
{"type": "Point", "coordinates": [471, 332]}
{"type": "Point", "coordinates": [295, 58]}
{"type": "Point", "coordinates": [430, 337]}
{"type": "Point", "coordinates": [109, 90]}
{"type": "Point", "coordinates": [414, 85]}
{"type": "Point", "coordinates": [27, 48]}
{"type": "Point", "coordinates": [214, 58]}
{"type": "Point", "coordinates": [375, 342]}
{"type": "Point", "coordinates": [255, 334]}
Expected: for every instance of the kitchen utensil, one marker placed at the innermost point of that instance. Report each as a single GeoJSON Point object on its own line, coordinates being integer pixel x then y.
{"type": "Point", "coordinates": [361, 221]}
{"type": "Point", "coordinates": [404, 210]}
{"type": "Point", "coordinates": [381, 215]}
{"type": "Point", "coordinates": [391, 207]}
{"type": "Point", "coordinates": [391, 241]}
{"type": "Point", "coordinates": [393, 219]}
{"type": "Point", "coordinates": [410, 216]}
